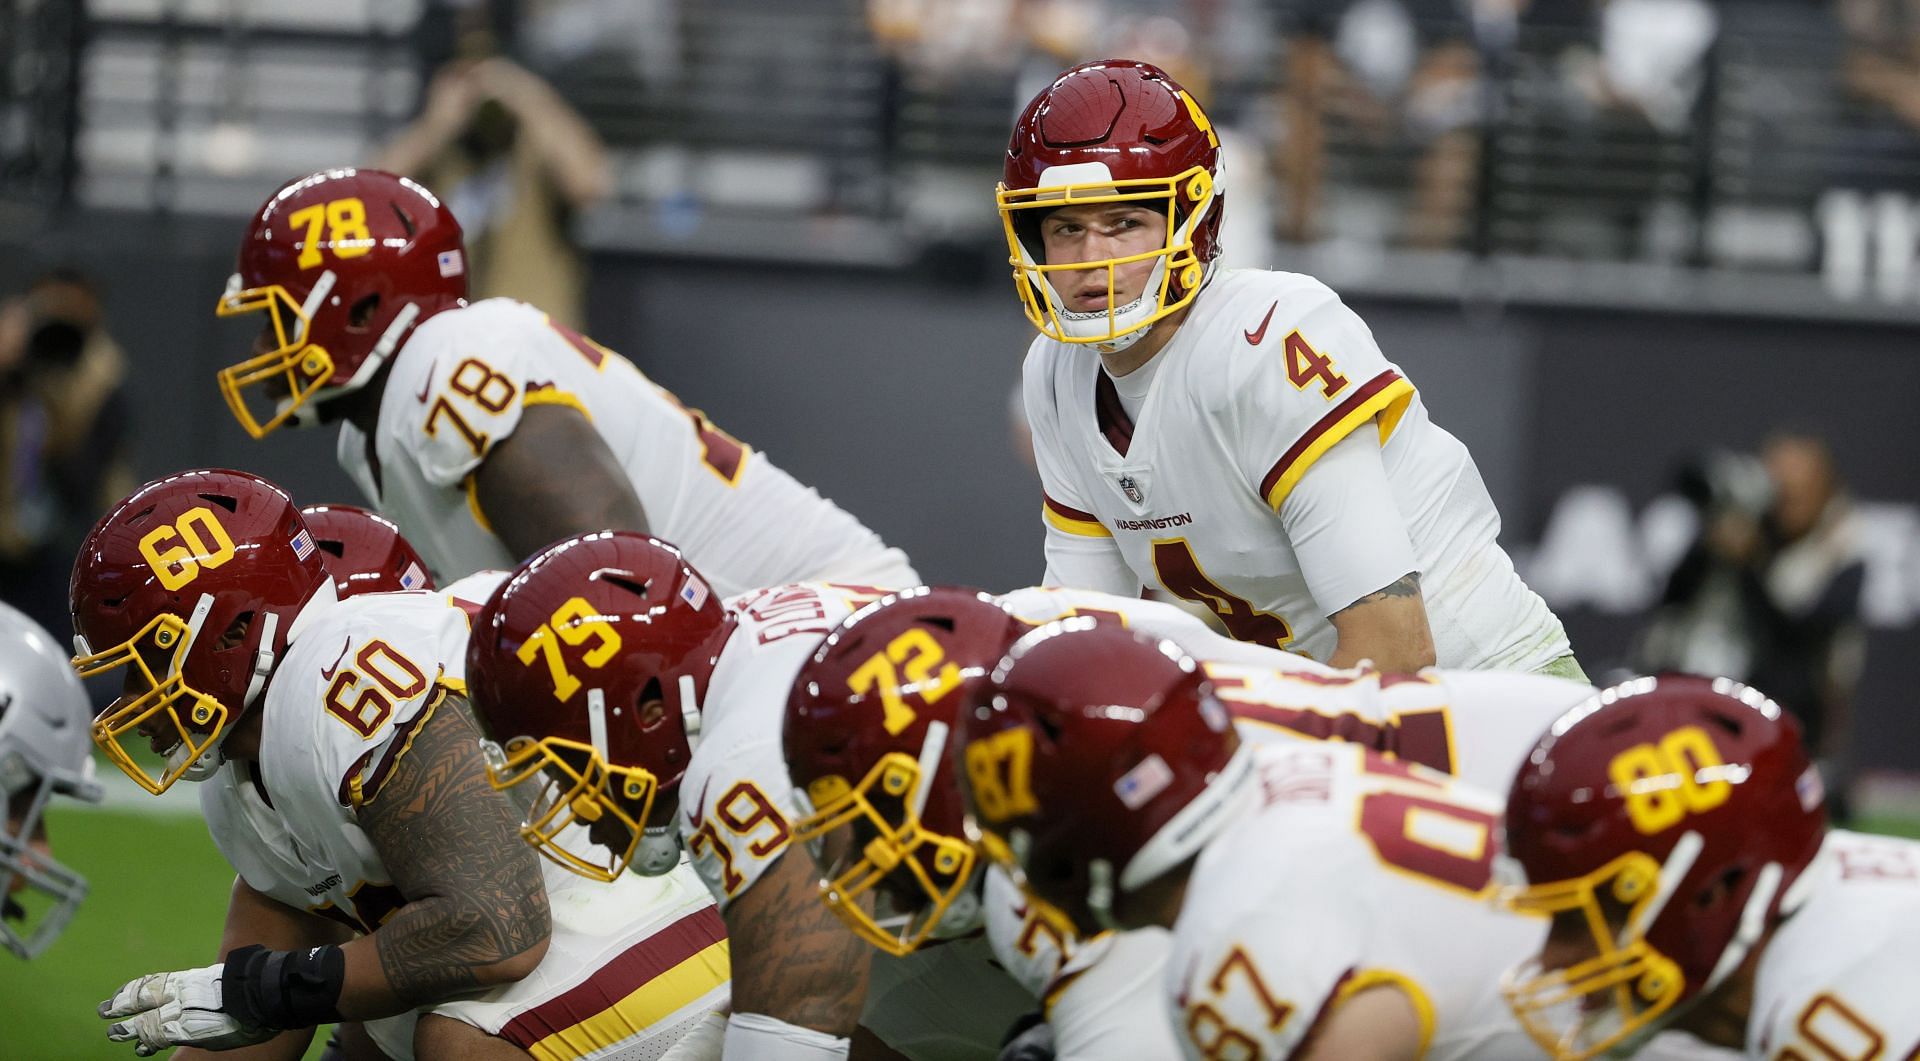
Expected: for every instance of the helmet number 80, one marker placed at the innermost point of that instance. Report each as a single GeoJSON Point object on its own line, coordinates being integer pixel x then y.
{"type": "Point", "coordinates": [180, 564]}
{"type": "Point", "coordinates": [347, 234]}
{"type": "Point", "coordinates": [576, 622]}
{"type": "Point", "coordinates": [1662, 782]}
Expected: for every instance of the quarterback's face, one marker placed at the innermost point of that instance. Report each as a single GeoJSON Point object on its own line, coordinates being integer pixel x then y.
{"type": "Point", "coordinates": [1097, 233]}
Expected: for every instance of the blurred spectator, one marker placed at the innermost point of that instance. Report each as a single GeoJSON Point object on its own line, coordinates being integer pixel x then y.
{"type": "Point", "coordinates": [63, 437]}
{"type": "Point", "coordinates": [1385, 70]}
{"type": "Point", "coordinates": [1770, 592]}
{"type": "Point", "coordinates": [514, 163]}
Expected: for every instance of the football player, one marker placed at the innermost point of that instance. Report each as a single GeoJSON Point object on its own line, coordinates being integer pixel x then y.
{"type": "Point", "coordinates": [364, 552]}
{"type": "Point", "coordinates": [1234, 438]}
{"type": "Point", "coordinates": [1325, 902]}
{"type": "Point", "coordinates": [1674, 829]}
{"type": "Point", "coordinates": [43, 753]}
{"type": "Point", "coordinates": [380, 877]}
{"type": "Point", "coordinates": [868, 726]}
{"type": "Point", "coordinates": [485, 430]}
{"type": "Point", "coordinates": [631, 697]}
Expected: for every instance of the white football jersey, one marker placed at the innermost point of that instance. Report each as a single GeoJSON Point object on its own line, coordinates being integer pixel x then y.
{"type": "Point", "coordinates": [1354, 871]}
{"type": "Point", "coordinates": [737, 809]}
{"type": "Point", "coordinates": [1267, 372]}
{"type": "Point", "coordinates": [458, 386]}
{"type": "Point", "coordinates": [341, 709]}
{"type": "Point", "coordinates": [1476, 725]}
{"type": "Point", "coordinates": [1839, 978]}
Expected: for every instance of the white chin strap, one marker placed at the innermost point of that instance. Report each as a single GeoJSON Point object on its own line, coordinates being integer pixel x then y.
{"type": "Point", "coordinates": [308, 415]}
{"type": "Point", "coordinates": [658, 853]}
{"type": "Point", "coordinates": [1091, 323]}
{"type": "Point", "coordinates": [964, 916]}
{"type": "Point", "coordinates": [690, 711]}
{"type": "Point", "coordinates": [207, 763]}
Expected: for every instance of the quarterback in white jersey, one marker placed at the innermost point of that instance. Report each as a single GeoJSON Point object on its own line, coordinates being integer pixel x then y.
{"type": "Point", "coordinates": [1674, 829]}
{"type": "Point", "coordinates": [380, 881]}
{"type": "Point", "coordinates": [486, 431]}
{"type": "Point", "coordinates": [1235, 439]}
{"type": "Point", "coordinates": [609, 660]}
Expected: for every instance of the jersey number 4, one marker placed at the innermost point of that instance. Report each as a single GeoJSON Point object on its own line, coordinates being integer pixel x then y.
{"type": "Point", "coordinates": [1179, 571]}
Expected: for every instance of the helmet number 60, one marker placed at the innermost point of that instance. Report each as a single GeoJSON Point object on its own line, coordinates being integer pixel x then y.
{"type": "Point", "coordinates": [180, 564]}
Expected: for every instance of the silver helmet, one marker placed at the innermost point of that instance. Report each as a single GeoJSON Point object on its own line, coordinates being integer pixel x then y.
{"type": "Point", "coordinates": [45, 748]}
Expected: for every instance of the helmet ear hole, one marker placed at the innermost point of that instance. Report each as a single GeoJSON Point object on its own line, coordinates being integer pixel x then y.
{"type": "Point", "coordinates": [652, 707]}
{"type": "Point", "coordinates": [235, 633]}
{"type": "Point", "coordinates": [363, 311]}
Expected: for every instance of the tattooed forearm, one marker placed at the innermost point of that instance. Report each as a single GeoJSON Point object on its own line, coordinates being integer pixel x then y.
{"type": "Point", "coordinates": [792, 959]}
{"type": "Point", "coordinates": [475, 896]}
{"type": "Point", "coordinates": [1407, 585]}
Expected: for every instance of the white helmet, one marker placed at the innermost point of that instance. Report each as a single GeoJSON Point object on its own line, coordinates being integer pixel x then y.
{"type": "Point", "coordinates": [45, 748]}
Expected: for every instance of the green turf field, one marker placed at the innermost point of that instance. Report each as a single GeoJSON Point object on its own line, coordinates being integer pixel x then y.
{"type": "Point", "coordinates": [158, 899]}
{"type": "Point", "coordinates": [159, 895]}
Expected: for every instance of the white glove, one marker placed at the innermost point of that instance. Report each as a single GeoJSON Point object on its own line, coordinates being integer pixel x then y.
{"type": "Point", "coordinates": [177, 1009]}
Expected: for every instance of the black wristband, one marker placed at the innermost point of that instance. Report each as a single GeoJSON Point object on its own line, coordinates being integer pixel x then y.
{"type": "Point", "coordinates": [278, 989]}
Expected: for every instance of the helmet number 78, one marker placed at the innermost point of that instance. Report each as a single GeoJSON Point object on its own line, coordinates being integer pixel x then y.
{"type": "Point", "coordinates": [347, 234]}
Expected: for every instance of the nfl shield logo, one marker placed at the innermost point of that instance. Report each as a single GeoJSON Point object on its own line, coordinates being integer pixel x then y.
{"type": "Point", "coordinates": [1131, 488]}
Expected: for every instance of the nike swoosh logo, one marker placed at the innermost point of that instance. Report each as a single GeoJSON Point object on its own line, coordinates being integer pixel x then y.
{"type": "Point", "coordinates": [1253, 337]}
{"type": "Point", "coordinates": [697, 814]}
{"type": "Point", "coordinates": [326, 673]}
{"type": "Point", "coordinates": [435, 363]}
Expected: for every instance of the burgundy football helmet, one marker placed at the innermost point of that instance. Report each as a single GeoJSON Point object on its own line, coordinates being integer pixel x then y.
{"type": "Point", "coordinates": [345, 263]}
{"type": "Point", "coordinates": [194, 581]}
{"type": "Point", "coordinates": [1097, 760]}
{"type": "Point", "coordinates": [867, 734]}
{"type": "Point", "coordinates": [1112, 131]}
{"type": "Point", "coordinates": [365, 552]}
{"type": "Point", "coordinates": [588, 668]}
{"type": "Point", "coordinates": [1669, 819]}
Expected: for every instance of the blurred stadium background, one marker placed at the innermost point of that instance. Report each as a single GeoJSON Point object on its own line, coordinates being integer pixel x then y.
{"type": "Point", "coordinates": [1619, 244]}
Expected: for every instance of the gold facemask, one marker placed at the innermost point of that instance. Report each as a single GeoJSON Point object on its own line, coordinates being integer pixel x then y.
{"type": "Point", "coordinates": [1033, 280]}
{"type": "Point", "coordinates": [859, 845]}
{"type": "Point", "coordinates": [301, 367]}
{"type": "Point", "coordinates": [572, 785]}
{"type": "Point", "coordinates": [166, 637]}
{"type": "Point", "coordinates": [1633, 984]}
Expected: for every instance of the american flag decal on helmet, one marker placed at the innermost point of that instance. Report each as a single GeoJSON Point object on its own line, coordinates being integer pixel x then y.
{"type": "Point", "coordinates": [451, 263]}
{"type": "Point", "coordinates": [412, 577]}
{"type": "Point", "coordinates": [694, 592]}
{"type": "Point", "coordinates": [1145, 781]}
{"type": "Point", "coordinates": [302, 545]}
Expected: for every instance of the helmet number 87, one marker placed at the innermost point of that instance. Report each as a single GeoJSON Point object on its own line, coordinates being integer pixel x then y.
{"type": "Point", "coordinates": [347, 234]}
{"type": "Point", "coordinates": [1662, 782]}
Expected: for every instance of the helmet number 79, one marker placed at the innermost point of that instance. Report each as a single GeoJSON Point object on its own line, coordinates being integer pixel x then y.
{"type": "Point", "coordinates": [576, 622]}
{"type": "Point", "coordinates": [347, 234]}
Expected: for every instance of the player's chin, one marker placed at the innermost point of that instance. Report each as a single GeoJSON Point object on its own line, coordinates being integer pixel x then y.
{"type": "Point", "coordinates": [610, 834]}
